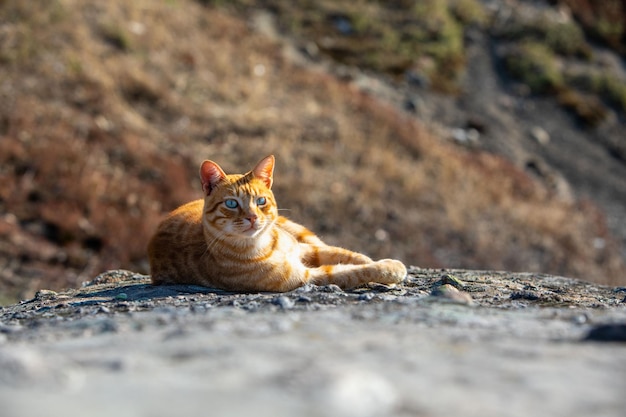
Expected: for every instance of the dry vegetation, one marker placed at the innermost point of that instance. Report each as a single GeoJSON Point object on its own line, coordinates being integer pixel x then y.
{"type": "Point", "coordinates": [393, 37]}
{"type": "Point", "coordinates": [547, 49]}
{"type": "Point", "coordinates": [603, 20]}
{"type": "Point", "coordinates": [107, 109]}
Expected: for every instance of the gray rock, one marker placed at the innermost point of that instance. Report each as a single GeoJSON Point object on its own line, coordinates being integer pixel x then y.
{"type": "Point", "coordinates": [284, 302]}
{"type": "Point", "coordinates": [372, 351]}
{"type": "Point", "coordinates": [540, 135]}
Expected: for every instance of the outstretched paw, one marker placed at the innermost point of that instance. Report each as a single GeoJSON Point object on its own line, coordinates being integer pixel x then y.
{"type": "Point", "coordinates": [392, 271]}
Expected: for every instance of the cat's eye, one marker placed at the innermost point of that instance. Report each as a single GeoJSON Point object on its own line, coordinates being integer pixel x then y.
{"type": "Point", "coordinates": [260, 201]}
{"type": "Point", "coordinates": [231, 203]}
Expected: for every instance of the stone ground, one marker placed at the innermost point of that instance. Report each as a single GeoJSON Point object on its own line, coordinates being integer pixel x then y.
{"type": "Point", "coordinates": [445, 342]}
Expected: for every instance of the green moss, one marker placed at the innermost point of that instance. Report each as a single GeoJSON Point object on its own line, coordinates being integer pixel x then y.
{"type": "Point", "coordinates": [440, 37]}
{"type": "Point", "coordinates": [390, 36]}
{"type": "Point", "coordinates": [535, 65]}
{"type": "Point", "coordinates": [608, 87]}
{"type": "Point", "coordinates": [611, 31]}
{"type": "Point", "coordinates": [469, 12]}
{"type": "Point", "coordinates": [614, 90]}
{"type": "Point", "coordinates": [567, 39]}
{"type": "Point", "coordinates": [563, 38]}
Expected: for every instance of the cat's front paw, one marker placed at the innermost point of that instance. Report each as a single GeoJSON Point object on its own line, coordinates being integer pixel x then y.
{"type": "Point", "coordinates": [392, 271]}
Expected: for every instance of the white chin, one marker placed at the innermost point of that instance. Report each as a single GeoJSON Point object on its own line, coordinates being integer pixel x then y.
{"type": "Point", "coordinates": [251, 232]}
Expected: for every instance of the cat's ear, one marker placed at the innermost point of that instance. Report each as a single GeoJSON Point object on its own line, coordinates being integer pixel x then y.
{"type": "Point", "coordinates": [210, 174]}
{"type": "Point", "coordinates": [264, 170]}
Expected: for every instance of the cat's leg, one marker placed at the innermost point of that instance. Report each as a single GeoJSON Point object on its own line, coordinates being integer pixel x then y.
{"type": "Point", "coordinates": [314, 256]}
{"type": "Point", "coordinates": [387, 271]}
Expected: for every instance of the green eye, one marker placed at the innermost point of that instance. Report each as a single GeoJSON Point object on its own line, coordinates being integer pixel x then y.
{"type": "Point", "coordinates": [231, 203]}
{"type": "Point", "coordinates": [260, 201]}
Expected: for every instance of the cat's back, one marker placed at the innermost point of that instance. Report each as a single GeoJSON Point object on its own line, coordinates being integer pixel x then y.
{"type": "Point", "coordinates": [183, 221]}
{"type": "Point", "coordinates": [178, 240]}
{"type": "Point", "coordinates": [190, 212]}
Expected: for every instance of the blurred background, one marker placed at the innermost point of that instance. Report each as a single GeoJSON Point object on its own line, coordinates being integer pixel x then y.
{"type": "Point", "coordinates": [445, 133]}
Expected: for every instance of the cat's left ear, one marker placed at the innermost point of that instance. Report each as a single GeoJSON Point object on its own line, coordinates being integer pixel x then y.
{"type": "Point", "coordinates": [210, 174]}
{"type": "Point", "coordinates": [264, 170]}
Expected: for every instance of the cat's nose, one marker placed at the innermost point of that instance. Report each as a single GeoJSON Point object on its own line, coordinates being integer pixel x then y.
{"type": "Point", "coordinates": [252, 218]}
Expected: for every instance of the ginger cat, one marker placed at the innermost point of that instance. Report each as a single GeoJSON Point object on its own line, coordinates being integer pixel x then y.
{"type": "Point", "coordinates": [235, 240]}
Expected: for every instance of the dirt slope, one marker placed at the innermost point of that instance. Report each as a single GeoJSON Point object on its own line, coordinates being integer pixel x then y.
{"type": "Point", "coordinates": [107, 110]}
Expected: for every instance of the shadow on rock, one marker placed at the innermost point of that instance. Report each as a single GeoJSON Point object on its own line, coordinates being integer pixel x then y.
{"type": "Point", "coordinates": [139, 292]}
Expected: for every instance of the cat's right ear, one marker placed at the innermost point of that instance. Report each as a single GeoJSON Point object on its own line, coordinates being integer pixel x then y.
{"type": "Point", "coordinates": [210, 174]}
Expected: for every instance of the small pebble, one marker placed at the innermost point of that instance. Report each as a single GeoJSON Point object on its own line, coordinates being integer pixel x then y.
{"type": "Point", "coordinates": [540, 135]}
{"type": "Point", "coordinates": [104, 309]}
{"type": "Point", "coordinates": [525, 295]}
{"type": "Point", "coordinates": [46, 295]}
{"type": "Point", "coordinates": [251, 306]}
{"type": "Point", "coordinates": [283, 302]}
{"type": "Point", "coordinates": [331, 288]}
{"type": "Point", "coordinates": [607, 333]}
{"type": "Point", "coordinates": [366, 296]}
{"type": "Point", "coordinates": [452, 280]}
{"type": "Point", "coordinates": [122, 306]}
{"type": "Point", "coordinates": [580, 319]}
{"type": "Point", "coordinates": [305, 288]}
{"type": "Point", "coordinates": [450, 293]}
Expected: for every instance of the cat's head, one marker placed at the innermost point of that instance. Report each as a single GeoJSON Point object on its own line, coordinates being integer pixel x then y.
{"type": "Point", "coordinates": [239, 205]}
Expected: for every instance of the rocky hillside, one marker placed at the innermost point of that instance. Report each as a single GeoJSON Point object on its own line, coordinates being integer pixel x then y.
{"type": "Point", "coordinates": [435, 144]}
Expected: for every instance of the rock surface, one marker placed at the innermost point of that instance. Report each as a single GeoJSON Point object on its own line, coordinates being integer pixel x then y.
{"type": "Point", "coordinates": [445, 342]}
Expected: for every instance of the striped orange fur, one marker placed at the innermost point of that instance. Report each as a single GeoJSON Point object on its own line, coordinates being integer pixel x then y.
{"type": "Point", "coordinates": [235, 240]}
